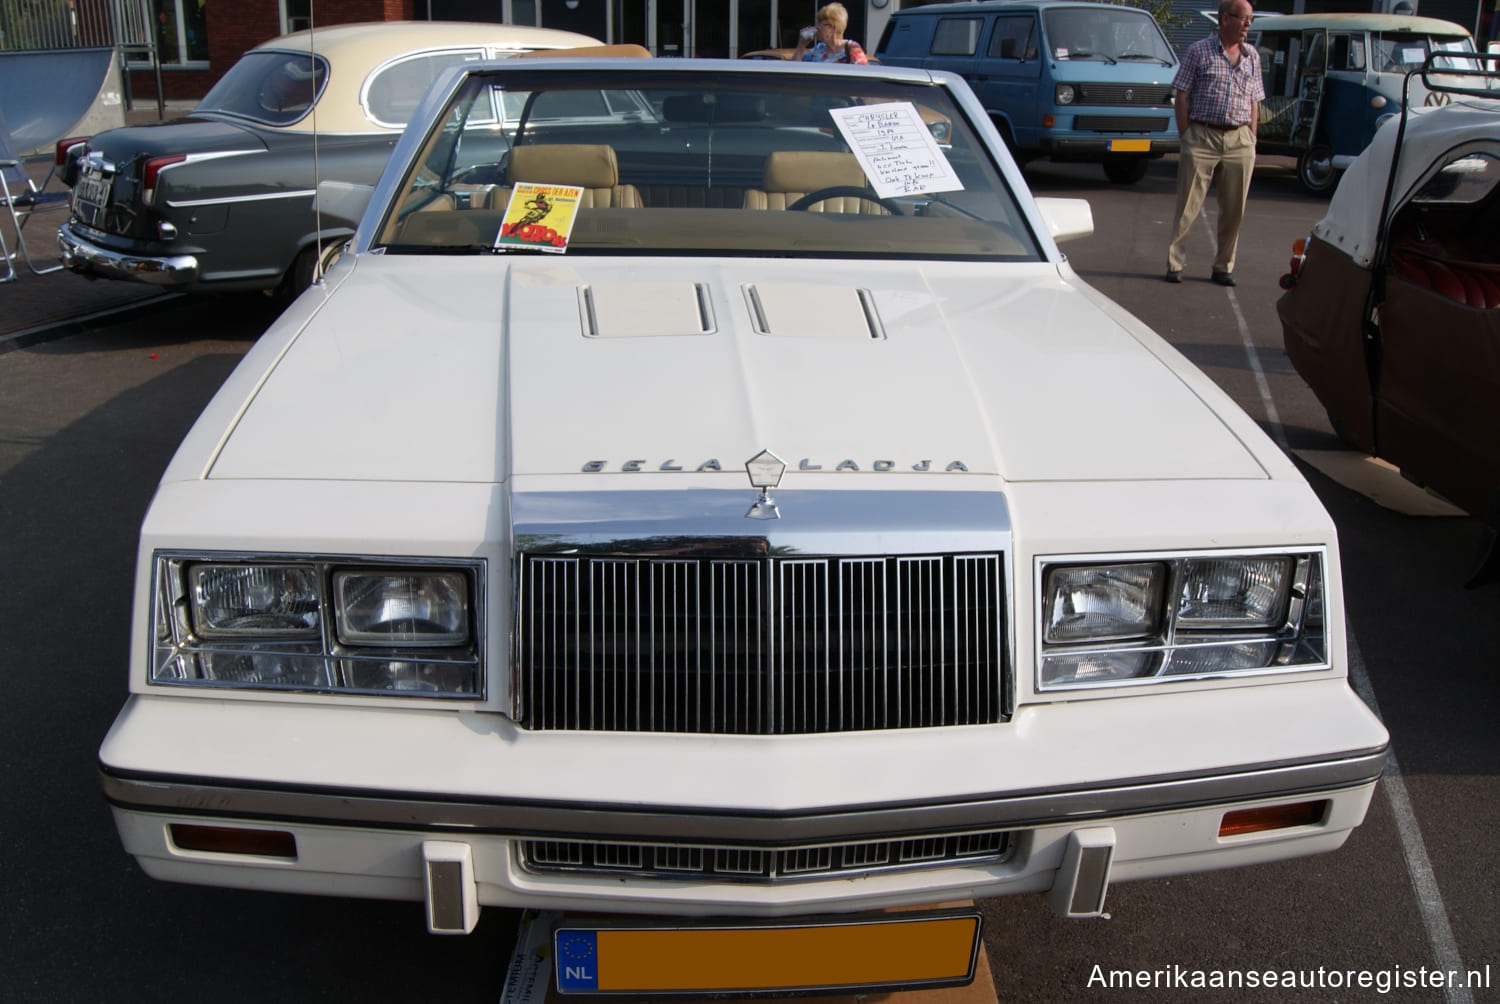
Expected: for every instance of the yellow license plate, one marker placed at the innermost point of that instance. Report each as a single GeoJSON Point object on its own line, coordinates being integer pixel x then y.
{"type": "Point", "coordinates": [901, 951]}
{"type": "Point", "coordinates": [1130, 146]}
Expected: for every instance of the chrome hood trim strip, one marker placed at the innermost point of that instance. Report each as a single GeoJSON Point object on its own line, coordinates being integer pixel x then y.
{"type": "Point", "coordinates": [714, 521]}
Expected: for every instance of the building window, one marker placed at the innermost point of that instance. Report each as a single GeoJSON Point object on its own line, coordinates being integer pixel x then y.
{"type": "Point", "coordinates": [177, 27]}
{"type": "Point", "coordinates": [296, 15]}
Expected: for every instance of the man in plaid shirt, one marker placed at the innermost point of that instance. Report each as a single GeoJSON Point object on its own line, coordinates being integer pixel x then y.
{"type": "Point", "coordinates": [1219, 91]}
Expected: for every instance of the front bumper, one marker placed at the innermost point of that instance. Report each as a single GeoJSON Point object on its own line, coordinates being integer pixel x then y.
{"type": "Point", "coordinates": [1079, 147]}
{"type": "Point", "coordinates": [83, 256]}
{"type": "Point", "coordinates": [372, 839]}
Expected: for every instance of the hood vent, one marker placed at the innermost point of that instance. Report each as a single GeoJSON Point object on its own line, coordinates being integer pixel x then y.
{"type": "Point", "coordinates": [805, 310]}
{"type": "Point", "coordinates": [645, 309]}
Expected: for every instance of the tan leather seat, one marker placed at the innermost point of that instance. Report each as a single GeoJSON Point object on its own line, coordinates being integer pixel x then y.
{"type": "Point", "coordinates": [591, 167]}
{"type": "Point", "coordinates": [791, 174]}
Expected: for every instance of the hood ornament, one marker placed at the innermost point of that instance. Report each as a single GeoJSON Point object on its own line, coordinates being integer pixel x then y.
{"type": "Point", "coordinates": [765, 470]}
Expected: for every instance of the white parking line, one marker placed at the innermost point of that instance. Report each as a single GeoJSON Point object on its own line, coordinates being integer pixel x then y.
{"type": "Point", "coordinates": [1272, 415]}
{"type": "Point", "coordinates": [1413, 848]}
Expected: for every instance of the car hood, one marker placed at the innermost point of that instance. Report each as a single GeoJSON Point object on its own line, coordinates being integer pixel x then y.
{"type": "Point", "coordinates": [185, 135]}
{"type": "Point", "coordinates": [480, 368]}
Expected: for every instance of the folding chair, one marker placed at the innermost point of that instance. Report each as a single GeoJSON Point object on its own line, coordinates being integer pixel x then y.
{"type": "Point", "coordinates": [23, 198]}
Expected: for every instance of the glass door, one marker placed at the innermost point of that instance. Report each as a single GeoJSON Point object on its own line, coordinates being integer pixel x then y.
{"type": "Point", "coordinates": [693, 28]}
{"type": "Point", "coordinates": [710, 29]}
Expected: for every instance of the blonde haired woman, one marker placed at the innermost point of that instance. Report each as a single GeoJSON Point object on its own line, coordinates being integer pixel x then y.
{"type": "Point", "coordinates": [831, 45]}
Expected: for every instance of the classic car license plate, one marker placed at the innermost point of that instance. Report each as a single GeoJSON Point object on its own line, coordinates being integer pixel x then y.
{"type": "Point", "coordinates": [1130, 146]}
{"type": "Point", "coordinates": [899, 950]}
{"type": "Point", "coordinates": [92, 189]}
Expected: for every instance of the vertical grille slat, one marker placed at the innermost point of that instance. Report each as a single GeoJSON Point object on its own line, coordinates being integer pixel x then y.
{"type": "Point", "coordinates": [759, 646]}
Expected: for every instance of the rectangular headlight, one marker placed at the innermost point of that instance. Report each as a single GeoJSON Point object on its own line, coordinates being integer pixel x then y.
{"type": "Point", "coordinates": [402, 608]}
{"type": "Point", "coordinates": [254, 601]}
{"type": "Point", "coordinates": [1234, 592]}
{"type": "Point", "coordinates": [1171, 617]}
{"type": "Point", "coordinates": [328, 625]}
{"type": "Point", "coordinates": [1102, 602]}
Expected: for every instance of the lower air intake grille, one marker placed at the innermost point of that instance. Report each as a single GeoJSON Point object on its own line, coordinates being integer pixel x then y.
{"type": "Point", "coordinates": [761, 646]}
{"type": "Point", "coordinates": [753, 864]}
{"type": "Point", "coordinates": [1120, 123]}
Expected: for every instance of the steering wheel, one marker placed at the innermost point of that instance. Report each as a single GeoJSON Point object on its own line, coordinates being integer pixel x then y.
{"type": "Point", "coordinates": [848, 191]}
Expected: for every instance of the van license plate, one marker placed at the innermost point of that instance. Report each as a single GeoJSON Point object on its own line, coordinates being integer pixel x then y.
{"type": "Point", "coordinates": [1130, 146]}
{"type": "Point", "coordinates": [926, 949]}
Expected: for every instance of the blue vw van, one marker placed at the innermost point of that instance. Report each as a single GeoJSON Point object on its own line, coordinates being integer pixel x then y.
{"type": "Point", "coordinates": [1332, 79]}
{"type": "Point", "coordinates": [1065, 79]}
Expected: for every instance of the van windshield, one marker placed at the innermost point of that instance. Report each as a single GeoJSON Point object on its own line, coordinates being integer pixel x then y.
{"type": "Point", "coordinates": [1107, 33]}
{"type": "Point", "coordinates": [1399, 52]}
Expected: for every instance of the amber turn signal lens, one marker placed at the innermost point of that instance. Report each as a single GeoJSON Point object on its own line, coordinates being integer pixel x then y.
{"type": "Point", "coordinates": [234, 840]}
{"type": "Point", "coordinates": [1272, 817]}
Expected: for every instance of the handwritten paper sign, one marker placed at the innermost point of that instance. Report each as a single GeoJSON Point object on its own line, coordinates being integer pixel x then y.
{"type": "Point", "coordinates": [896, 150]}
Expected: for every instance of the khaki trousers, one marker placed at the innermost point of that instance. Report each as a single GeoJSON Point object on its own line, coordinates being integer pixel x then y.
{"type": "Point", "coordinates": [1227, 159]}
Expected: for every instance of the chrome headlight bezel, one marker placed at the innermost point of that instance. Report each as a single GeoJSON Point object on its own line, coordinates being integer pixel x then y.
{"type": "Point", "coordinates": [1222, 614]}
{"type": "Point", "coordinates": [193, 644]}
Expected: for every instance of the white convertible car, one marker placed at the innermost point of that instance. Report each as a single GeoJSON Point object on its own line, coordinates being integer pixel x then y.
{"type": "Point", "coordinates": [736, 510]}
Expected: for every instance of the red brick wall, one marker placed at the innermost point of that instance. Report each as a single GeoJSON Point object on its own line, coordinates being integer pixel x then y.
{"type": "Point", "coordinates": [234, 27]}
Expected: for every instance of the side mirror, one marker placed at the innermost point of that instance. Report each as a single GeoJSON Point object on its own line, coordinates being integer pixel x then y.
{"type": "Point", "coordinates": [1066, 219]}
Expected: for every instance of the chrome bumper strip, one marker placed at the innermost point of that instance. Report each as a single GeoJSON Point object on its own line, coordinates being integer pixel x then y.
{"type": "Point", "coordinates": [81, 256]}
{"type": "Point", "coordinates": [366, 810]}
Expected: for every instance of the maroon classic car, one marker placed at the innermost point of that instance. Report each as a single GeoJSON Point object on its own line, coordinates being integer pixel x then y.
{"type": "Point", "coordinates": [1393, 316]}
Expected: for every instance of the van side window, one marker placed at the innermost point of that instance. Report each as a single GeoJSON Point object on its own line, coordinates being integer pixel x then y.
{"type": "Point", "coordinates": [1314, 61]}
{"type": "Point", "coordinates": [1013, 38]}
{"type": "Point", "coordinates": [956, 36]}
{"type": "Point", "coordinates": [1347, 52]}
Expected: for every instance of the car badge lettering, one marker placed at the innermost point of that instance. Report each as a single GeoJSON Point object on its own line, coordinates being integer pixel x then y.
{"type": "Point", "coordinates": [672, 465]}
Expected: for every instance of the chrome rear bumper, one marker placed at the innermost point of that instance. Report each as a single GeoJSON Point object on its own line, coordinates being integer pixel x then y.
{"type": "Point", "coordinates": [86, 258]}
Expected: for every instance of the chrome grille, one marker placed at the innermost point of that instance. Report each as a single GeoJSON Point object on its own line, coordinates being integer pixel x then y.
{"type": "Point", "coordinates": [1116, 94]}
{"type": "Point", "coordinates": [759, 864]}
{"type": "Point", "coordinates": [763, 646]}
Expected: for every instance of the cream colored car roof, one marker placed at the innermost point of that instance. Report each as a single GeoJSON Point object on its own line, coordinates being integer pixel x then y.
{"type": "Point", "coordinates": [354, 51]}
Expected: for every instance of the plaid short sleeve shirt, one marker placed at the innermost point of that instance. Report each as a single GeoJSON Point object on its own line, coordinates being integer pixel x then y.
{"type": "Point", "coordinates": [1219, 92]}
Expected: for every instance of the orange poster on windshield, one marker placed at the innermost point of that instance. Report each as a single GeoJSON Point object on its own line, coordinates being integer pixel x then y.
{"type": "Point", "coordinates": [539, 217]}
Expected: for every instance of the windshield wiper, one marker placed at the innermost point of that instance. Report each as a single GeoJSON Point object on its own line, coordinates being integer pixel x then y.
{"type": "Point", "coordinates": [1086, 54]}
{"type": "Point", "coordinates": [961, 210]}
{"type": "Point", "coordinates": [441, 249]}
{"type": "Point", "coordinates": [1146, 55]}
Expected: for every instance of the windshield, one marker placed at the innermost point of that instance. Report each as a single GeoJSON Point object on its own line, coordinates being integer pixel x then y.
{"type": "Point", "coordinates": [1106, 33]}
{"type": "Point", "coordinates": [788, 164]}
{"type": "Point", "coordinates": [277, 88]}
{"type": "Point", "coordinates": [1399, 53]}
